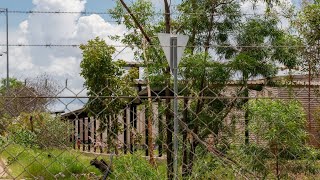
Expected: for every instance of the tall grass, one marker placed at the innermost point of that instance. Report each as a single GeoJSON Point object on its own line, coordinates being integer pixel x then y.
{"type": "Point", "coordinates": [70, 164]}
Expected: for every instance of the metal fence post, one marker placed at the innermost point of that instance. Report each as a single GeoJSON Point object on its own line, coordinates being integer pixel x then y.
{"type": "Point", "coordinates": [173, 60]}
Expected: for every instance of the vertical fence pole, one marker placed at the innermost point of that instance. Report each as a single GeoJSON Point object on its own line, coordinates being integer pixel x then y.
{"type": "Point", "coordinates": [125, 132]}
{"type": "Point", "coordinates": [94, 133]}
{"type": "Point", "coordinates": [101, 140]}
{"type": "Point", "coordinates": [173, 60]}
{"type": "Point", "coordinates": [78, 134]}
{"type": "Point", "coordinates": [146, 113]}
{"type": "Point", "coordinates": [7, 28]}
{"type": "Point", "coordinates": [83, 133]}
{"type": "Point", "coordinates": [89, 134]}
{"type": "Point", "coordinates": [135, 119]}
{"type": "Point", "coordinates": [160, 127]}
{"type": "Point", "coordinates": [74, 134]}
{"type": "Point", "coordinates": [131, 128]}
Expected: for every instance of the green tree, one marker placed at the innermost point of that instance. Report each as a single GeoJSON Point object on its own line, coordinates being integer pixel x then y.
{"type": "Point", "coordinates": [261, 45]}
{"type": "Point", "coordinates": [281, 125]}
{"type": "Point", "coordinates": [207, 23]}
{"type": "Point", "coordinates": [307, 25]}
{"type": "Point", "coordinates": [157, 68]}
{"type": "Point", "coordinates": [200, 69]}
{"type": "Point", "coordinates": [202, 28]}
{"type": "Point", "coordinates": [105, 82]}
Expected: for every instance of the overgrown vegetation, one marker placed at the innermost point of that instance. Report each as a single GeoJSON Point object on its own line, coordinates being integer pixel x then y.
{"type": "Point", "coordinates": [62, 164]}
{"type": "Point", "coordinates": [38, 130]}
{"type": "Point", "coordinates": [279, 129]}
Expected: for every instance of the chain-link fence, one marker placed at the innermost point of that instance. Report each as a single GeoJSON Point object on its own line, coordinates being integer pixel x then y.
{"type": "Point", "coordinates": [255, 130]}
{"type": "Point", "coordinates": [243, 103]}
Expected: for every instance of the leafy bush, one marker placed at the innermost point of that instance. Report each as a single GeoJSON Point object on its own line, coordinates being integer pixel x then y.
{"type": "Point", "coordinates": [24, 137]}
{"type": "Point", "coordinates": [135, 167]}
{"type": "Point", "coordinates": [39, 130]}
{"type": "Point", "coordinates": [280, 127]}
{"type": "Point", "coordinates": [53, 132]}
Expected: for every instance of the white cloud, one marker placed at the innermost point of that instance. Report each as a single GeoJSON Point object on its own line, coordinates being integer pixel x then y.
{"type": "Point", "coordinates": [60, 62]}
{"type": "Point", "coordinates": [73, 28]}
{"type": "Point", "coordinates": [260, 7]}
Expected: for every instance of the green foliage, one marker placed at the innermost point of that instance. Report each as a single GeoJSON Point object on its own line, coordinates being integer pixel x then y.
{"type": "Point", "coordinates": [254, 58]}
{"type": "Point", "coordinates": [21, 160]}
{"type": "Point", "coordinates": [53, 132]}
{"type": "Point", "coordinates": [136, 167]}
{"type": "Point", "coordinates": [254, 158]}
{"type": "Point", "coordinates": [280, 127]}
{"type": "Point", "coordinates": [308, 23]}
{"type": "Point", "coordinates": [13, 83]}
{"type": "Point", "coordinates": [278, 122]}
{"type": "Point", "coordinates": [245, 48]}
{"type": "Point", "coordinates": [105, 80]}
{"type": "Point", "coordinates": [75, 165]}
{"type": "Point", "coordinates": [210, 167]}
{"type": "Point", "coordinates": [40, 130]}
{"type": "Point", "coordinates": [103, 77]}
{"type": "Point", "coordinates": [200, 65]}
{"type": "Point", "coordinates": [24, 137]}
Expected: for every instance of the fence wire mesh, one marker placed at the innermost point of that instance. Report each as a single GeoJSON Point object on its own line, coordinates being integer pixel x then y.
{"type": "Point", "coordinates": [233, 123]}
{"type": "Point", "coordinates": [231, 131]}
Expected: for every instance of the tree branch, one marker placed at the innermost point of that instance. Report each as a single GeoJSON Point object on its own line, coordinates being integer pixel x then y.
{"type": "Point", "coordinates": [136, 21]}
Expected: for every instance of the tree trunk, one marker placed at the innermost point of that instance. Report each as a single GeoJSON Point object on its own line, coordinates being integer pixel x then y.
{"type": "Point", "coordinates": [160, 127]}
{"type": "Point", "coordinates": [115, 133]}
{"type": "Point", "coordinates": [149, 110]}
{"type": "Point", "coordinates": [246, 115]}
{"type": "Point", "coordinates": [200, 102]}
{"type": "Point", "coordinates": [131, 128]}
{"type": "Point", "coordinates": [109, 134]}
{"type": "Point", "coordinates": [168, 104]}
{"type": "Point", "coordinates": [31, 124]}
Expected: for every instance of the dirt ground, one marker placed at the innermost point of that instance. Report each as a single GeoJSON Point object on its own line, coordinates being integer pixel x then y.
{"type": "Point", "coordinates": [3, 170]}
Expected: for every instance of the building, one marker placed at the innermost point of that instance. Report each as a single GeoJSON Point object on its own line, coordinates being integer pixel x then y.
{"type": "Point", "coordinates": [134, 121]}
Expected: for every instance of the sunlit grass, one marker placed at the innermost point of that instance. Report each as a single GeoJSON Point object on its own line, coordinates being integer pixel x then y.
{"type": "Point", "coordinates": [71, 164]}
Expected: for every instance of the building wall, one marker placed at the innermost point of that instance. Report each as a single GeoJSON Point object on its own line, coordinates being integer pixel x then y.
{"type": "Point", "coordinates": [301, 93]}
{"type": "Point", "coordinates": [131, 131]}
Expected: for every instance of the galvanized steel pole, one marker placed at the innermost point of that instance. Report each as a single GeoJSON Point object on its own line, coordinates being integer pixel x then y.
{"type": "Point", "coordinates": [7, 23]}
{"type": "Point", "coordinates": [173, 60]}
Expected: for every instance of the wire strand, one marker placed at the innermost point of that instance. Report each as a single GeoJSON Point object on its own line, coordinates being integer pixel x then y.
{"type": "Point", "coordinates": [137, 13]}
{"type": "Point", "coordinates": [204, 46]}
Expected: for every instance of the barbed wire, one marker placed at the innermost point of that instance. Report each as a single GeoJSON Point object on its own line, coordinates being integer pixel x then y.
{"type": "Point", "coordinates": [204, 46]}
{"type": "Point", "coordinates": [140, 13]}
